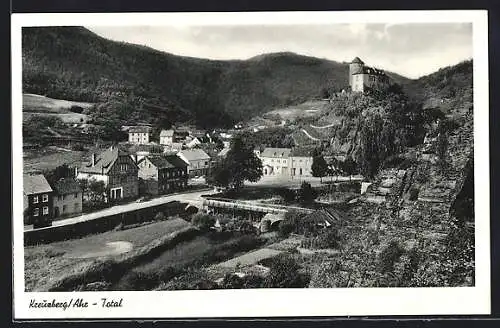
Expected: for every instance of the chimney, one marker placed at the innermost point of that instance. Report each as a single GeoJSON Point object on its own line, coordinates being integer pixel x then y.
{"type": "Point", "coordinates": [93, 159]}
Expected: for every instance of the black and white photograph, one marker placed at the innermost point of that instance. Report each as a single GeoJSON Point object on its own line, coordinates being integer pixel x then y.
{"type": "Point", "coordinates": [250, 157]}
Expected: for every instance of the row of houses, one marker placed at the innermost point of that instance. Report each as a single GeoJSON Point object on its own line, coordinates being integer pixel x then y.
{"type": "Point", "coordinates": [125, 176]}
{"type": "Point", "coordinates": [286, 162]}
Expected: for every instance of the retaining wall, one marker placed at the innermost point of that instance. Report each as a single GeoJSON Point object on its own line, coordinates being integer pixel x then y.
{"type": "Point", "coordinates": [102, 224]}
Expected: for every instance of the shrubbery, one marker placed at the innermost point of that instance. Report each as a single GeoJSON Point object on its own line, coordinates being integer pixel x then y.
{"type": "Point", "coordinates": [203, 221]}
{"type": "Point", "coordinates": [284, 273]}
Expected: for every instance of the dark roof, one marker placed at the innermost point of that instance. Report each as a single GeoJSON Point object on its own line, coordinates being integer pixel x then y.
{"type": "Point", "coordinates": [328, 214]}
{"type": "Point", "coordinates": [301, 152]}
{"type": "Point", "coordinates": [276, 152]}
{"type": "Point", "coordinates": [104, 161]}
{"type": "Point", "coordinates": [369, 70]}
{"type": "Point", "coordinates": [67, 186]}
{"type": "Point", "coordinates": [159, 161]}
{"type": "Point", "coordinates": [35, 184]}
{"type": "Point", "coordinates": [176, 161]}
{"type": "Point", "coordinates": [356, 60]}
{"type": "Point", "coordinates": [139, 129]}
{"type": "Point", "coordinates": [167, 133]}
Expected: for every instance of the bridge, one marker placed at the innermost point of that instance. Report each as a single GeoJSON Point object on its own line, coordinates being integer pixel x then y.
{"type": "Point", "coordinates": [252, 210]}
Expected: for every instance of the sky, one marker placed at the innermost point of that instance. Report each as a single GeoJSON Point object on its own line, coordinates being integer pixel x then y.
{"type": "Point", "coordinates": [412, 50]}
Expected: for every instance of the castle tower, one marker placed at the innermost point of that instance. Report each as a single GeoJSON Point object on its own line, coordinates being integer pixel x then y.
{"type": "Point", "coordinates": [354, 67]}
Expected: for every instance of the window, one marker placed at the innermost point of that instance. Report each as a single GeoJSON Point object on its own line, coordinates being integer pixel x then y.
{"type": "Point", "coordinates": [45, 210]}
{"type": "Point", "coordinates": [45, 198]}
{"type": "Point", "coordinates": [76, 206]}
{"type": "Point", "coordinates": [35, 212]}
{"type": "Point", "coordinates": [35, 199]}
{"type": "Point", "coordinates": [63, 197]}
{"type": "Point", "coordinates": [300, 171]}
{"type": "Point", "coordinates": [206, 163]}
{"type": "Point", "coordinates": [64, 208]}
{"type": "Point", "coordinates": [59, 197]}
{"type": "Point", "coordinates": [76, 195]}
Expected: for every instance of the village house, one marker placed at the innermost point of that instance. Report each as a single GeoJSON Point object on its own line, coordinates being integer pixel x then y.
{"type": "Point", "coordinates": [162, 174]}
{"type": "Point", "coordinates": [139, 134]}
{"type": "Point", "coordinates": [362, 77]}
{"type": "Point", "coordinates": [116, 168]}
{"type": "Point", "coordinates": [198, 161]}
{"type": "Point", "coordinates": [38, 199]}
{"type": "Point", "coordinates": [300, 162]}
{"type": "Point", "coordinates": [275, 161]}
{"type": "Point", "coordinates": [167, 137]}
{"type": "Point", "coordinates": [68, 198]}
{"type": "Point", "coordinates": [196, 141]}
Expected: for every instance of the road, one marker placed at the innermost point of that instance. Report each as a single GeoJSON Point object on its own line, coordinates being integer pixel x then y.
{"type": "Point", "coordinates": [188, 197]}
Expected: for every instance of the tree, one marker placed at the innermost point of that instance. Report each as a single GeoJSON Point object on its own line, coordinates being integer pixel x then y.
{"type": "Point", "coordinates": [240, 165]}
{"type": "Point", "coordinates": [319, 167]}
{"type": "Point", "coordinates": [307, 194]}
{"type": "Point", "coordinates": [349, 166]}
{"type": "Point", "coordinates": [284, 273]}
{"type": "Point", "coordinates": [62, 171]}
{"type": "Point", "coordinates": [203, 221]}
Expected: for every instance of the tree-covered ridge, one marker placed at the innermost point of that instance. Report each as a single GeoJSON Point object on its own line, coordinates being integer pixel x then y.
{"type": "Point", "coordinates": [74, 63]}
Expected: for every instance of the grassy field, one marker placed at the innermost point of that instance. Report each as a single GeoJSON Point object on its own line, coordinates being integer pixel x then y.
{"type": "Point", "coordinates": [42, 104]}
{"type": "Point", "coordinates": [46, 263]}
{"type": "Point", "coordinates": [191, 255]}
{"type": "Point", "coordinates": [49, 158]}
{"type": "Point", "coordinates": [36, 105]}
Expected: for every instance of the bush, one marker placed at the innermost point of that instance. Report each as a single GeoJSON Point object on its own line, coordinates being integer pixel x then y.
{"type": "Point", "coordinates": [328, 239]}
{"type": "Point", "coordinates": [307, 194]}
{"type": "Point", "coordinates": [390, 255]}
{"type": "Point", "coordinates": [203, 221]}
{"type": "Point", "coordinates": [231, 281]}
{"type": "Point", "coordinates": [77, 147]}
{"type": "Point", "coordinates": [159, 216]}
{"type": "Point", "coordinates": [286, 228]}
{"type": "Point", "coordinates": [76, 109]}
{"type": "Point", "coordinates": [413, 194]}
{"type": "Point", "coordinates": [284, 273]}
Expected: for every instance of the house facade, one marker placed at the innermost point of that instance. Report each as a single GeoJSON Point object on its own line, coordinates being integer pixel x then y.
{"type": "Point", "coordinates": [139, 134]}
{"type": "Point", "coordinates": [300, 163]}
{"type": "Point", "coordinates": [275, 161]}
{"type": "Point", "coordinates": [38, 198]}
{"type": "Point", "coordinates": [362, 77]}
{"type": "Point", "coordinates": [162, 174]}
{"type": "Point", "coordinates": [198, 161]}
{"type": "Point", "coordinates": [68, 198]}
{"type": "Point", "coordinates": [116, 168]}
{"type": "Point", "coordinates": [167, 137]}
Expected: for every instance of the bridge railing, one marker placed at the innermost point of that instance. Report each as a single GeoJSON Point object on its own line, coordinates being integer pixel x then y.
{"type": "Point", "coordinates": [237, 204]}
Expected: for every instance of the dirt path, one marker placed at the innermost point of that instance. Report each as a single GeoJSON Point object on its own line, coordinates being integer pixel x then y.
{"type": "Point", "coordinates": [96, 250]}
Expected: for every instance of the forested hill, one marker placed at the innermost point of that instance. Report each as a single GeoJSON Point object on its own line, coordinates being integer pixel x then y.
{"type": "Point", "coordinates": [75, 64]}
{"type": "Point", "coordinates": [449, 89]}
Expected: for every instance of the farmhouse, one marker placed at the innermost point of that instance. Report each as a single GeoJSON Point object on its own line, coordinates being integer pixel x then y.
{"type": "Point", "coordinates": [162, 174]}
{"type": "Point", "coordinates": [275, 161]}
{"type": "Point", "coordinates": [362, 77]}
{"type": "Point", "coordinates": [198, 161]}
{"type": "Point", "coordinates": [38, 200]}
{"type": "Point", "coordinates": [116, 168]}
{"type": "Point", "coordinates": [139, 134]}
{"type": "Point", "coordinates": [68, 197]}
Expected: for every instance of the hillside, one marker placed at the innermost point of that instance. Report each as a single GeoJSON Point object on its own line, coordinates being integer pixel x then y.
{"type": "Point", "coordinates": [75, 64]}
